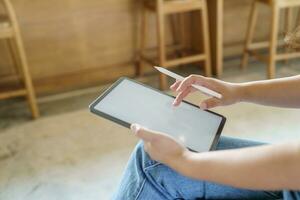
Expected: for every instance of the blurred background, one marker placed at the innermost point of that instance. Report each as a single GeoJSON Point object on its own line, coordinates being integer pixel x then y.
{"type": "Point", "coordinates": [57, 56]}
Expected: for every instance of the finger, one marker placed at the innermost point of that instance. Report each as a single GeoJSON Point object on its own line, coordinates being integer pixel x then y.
{"type": "Point", "coordinates": [192, 79]}
{"type": "Point", "coordinates": [143, 133]}
{"type": "Point", "coordinates": [175, 85]}
{"type": "Point", "coordinates": [210, 103]}
{"type": "Point", "coordinates": [181, 96]}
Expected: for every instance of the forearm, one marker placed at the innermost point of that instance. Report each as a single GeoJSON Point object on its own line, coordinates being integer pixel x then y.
{"type": "Point", "coordinates": [284, 92]}
{"type": "Point", "coordinates": [269, 167]}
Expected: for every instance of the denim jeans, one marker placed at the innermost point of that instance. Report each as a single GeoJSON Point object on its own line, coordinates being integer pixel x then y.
{"type": "Point", "coordinates": [146, 179]}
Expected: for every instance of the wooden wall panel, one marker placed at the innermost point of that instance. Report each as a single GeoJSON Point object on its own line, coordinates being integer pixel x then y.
{"type": "Point", "coordinates": [71, 35]}
{"type": "Point", "coordinates": [64, 38]}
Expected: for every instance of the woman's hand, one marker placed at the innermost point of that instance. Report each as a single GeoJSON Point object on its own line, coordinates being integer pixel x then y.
{"type": "Point", "coordinates": [160, 146]}
{"type": "Point", "coordinates": [231, 93]}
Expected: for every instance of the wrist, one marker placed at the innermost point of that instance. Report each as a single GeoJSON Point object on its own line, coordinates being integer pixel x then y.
{"type": "Point", "coordinates": [240, 92]}
{"type": "Point", "coordinates": [182, 163]}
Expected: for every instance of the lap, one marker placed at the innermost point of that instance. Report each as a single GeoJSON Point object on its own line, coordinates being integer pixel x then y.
{"type": "Point", "coordinates": [149, 177]}
{"type": "Point", "coordinates": [177, 186]}
{"type": "Point", "coordinates": [235, 143]}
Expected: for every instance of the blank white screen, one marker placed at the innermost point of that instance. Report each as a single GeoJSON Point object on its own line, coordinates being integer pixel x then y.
{"type": "Point", "coordinates": [134, 103]}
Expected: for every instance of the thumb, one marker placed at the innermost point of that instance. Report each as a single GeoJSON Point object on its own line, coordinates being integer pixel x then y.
{"type": "Point", "coordinates": [210, 103]}
{"type": "Point", "coordinates": [142, 133]}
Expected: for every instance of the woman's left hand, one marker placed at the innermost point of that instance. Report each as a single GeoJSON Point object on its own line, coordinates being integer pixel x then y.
{"type": "Point", "coordinates": [160, 146]}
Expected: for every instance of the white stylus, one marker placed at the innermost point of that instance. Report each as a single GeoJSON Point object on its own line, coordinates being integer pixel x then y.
{"type": "Point", "coordinates": [198, 87]}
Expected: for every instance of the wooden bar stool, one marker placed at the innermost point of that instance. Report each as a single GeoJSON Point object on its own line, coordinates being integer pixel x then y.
{"type": "Point", "coordinates": [177, 8]}
{"type": "Point", "coordinates": [9, 31]}
{"type": "Point", "coordinates": [273, 56]}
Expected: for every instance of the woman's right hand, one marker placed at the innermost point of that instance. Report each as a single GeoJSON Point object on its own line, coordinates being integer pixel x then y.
{"type": "Point", "coordinates": [231, 92]}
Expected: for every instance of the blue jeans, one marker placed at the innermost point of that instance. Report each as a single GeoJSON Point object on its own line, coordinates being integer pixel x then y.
{"type": "Point", "coordinates": [146, 179]}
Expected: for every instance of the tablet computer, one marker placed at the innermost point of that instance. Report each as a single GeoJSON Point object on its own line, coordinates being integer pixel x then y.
{"type": "Point", "coordinates": [128, 101]}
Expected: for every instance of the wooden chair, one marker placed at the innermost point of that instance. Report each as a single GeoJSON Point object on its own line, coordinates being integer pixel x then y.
{"type": "Point", "coordinates": [9, 31]}
{"type": "Point", "coordinates": [163, 8]}
{"type": "Point", "coordinates": [273, 56]}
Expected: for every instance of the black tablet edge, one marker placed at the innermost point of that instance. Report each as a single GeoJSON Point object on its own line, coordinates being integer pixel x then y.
{"type": "Point", "coordinates": [127, 125]}
{"type": "Point", "coordinates": [102, 96]}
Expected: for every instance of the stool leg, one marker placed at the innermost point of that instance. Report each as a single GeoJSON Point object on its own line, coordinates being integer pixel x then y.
{"type": "Point", "coordinates": [182, 24]}
{"type": "Point", "coordinates": [249, 35]}
{"type": "Point", "coordinates": [20, 53]}
{"type": "Point", "coordinates": [143, 40]}
{"type": "Point", "coordinates": [273, 41]}
{"type": "Point", "coordinates": [15, 58]}
{"type": "Point", "coordinates": [173, 28]}
{"type": "Point", "coordinates": [288, 24]}
{"type": "Point", "coordinates": [183, 36]}
{"type": "Point", "coordinates": [161, 42]}
{"type": "Point", "coordinates": [298, 18]}
{"type": "Point", "coordinates": [173, 19]}
{"type": "Point", "coordinates": [206, 39]}
{"type": "Point", "coordinates": [288, 20]}
{"type": "Point", "coordinates": [26, 76]}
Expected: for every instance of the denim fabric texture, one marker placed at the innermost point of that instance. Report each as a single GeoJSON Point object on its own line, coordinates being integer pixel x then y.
{"type": "Point", "coordinates": [146, 179]}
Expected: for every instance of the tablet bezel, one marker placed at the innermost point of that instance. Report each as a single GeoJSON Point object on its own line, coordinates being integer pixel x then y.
{"type": "Point", "coordinates": [127, 125]}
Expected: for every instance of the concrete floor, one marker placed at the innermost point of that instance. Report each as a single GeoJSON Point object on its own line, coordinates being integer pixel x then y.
{"type": "Point", "coordinates": [71, 154]}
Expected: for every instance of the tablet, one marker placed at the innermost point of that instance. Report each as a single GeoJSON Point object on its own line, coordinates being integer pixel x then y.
{"type": "Point", "coordinates": [128, 101]}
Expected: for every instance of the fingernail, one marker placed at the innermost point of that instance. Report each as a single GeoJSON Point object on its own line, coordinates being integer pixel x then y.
{"type": "Point", "coordinates": [135, 127]}
{"type": "Point", "coordinates": [174, 103]}
{"type": "Point", "coordinates": [203, 106]}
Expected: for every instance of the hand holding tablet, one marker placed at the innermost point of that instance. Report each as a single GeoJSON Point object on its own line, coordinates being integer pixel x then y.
{"type": "Point", "coordinates": [161, 147]}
